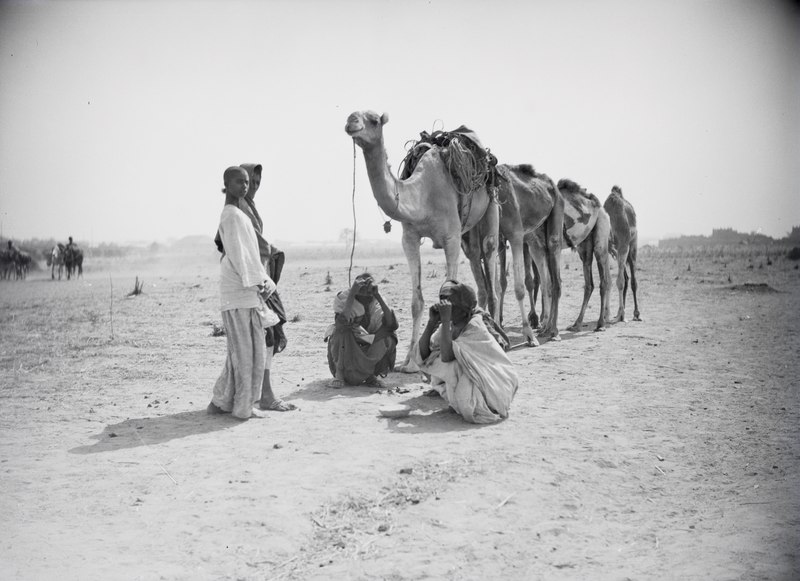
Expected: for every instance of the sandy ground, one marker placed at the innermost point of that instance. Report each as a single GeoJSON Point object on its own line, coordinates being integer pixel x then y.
{"type": "Point", "coordinates": [664, 449]}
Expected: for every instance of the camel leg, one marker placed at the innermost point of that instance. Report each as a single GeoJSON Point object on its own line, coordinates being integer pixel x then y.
{"type": "Point", "coordinates": [534, 262]}
{"type": "Point", "coordinates": [471, 247]}
{"type": "Point", "coordinates": [452, 252]}
{"type": "Point", "coordinates": [632, 263]}
{"type": "Point", "coordinates": [547, 256]}
{"type": "Point", "coordinates": [601, 236]}
{"type": "Point", "coordinates": [532, 286]}
{"type": "Point", "coordinates": [411, 249]}
{"type": "Point", "coordinates": [554, 228]}
{"type": "Point", "coordinates": [502, 283]}
{"type": "Point", "coordinates": [604, 269]}
{"type": "Point", "coordinates": [585, 252]}
{"type": "Point", "coordinates": [622, 258]}
{"type": "Point", "coordinates": [536, 247]}
{"type": "Point", "coordinates": [518, 259]}
{"type": "Point", "coordinates": [489, 234]}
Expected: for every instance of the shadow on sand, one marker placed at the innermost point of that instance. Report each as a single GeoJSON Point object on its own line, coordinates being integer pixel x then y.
{"type": "Point", "coordinates": [429, 414]}
{"type": "Point", "coordinates": [517, 340]}
{"type": "Point", "coordinates": [135, 432]}
{"type": "Point", "coordinates": [320, 390]}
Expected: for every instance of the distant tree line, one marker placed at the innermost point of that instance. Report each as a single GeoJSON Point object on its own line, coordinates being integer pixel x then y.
{"type": "Point", "coordinates": [728, 237]}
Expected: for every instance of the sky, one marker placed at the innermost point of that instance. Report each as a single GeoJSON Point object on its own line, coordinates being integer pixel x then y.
{"type": "Point", "coordinates": [118, 118]}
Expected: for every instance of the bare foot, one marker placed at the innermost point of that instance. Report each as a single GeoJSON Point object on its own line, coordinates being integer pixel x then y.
{"type": "Point", "coordinates": [277, 405]}
{"type": "Point", "coordinates": [257, 413]}
{"type": "Point", "coordinates": [336, 384]}
{"type": "Point", "coordinates": [373, 381]}
{"type": "Point", "coordinates": [214, 409]}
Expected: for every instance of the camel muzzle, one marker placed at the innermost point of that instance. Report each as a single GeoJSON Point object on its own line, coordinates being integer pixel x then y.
{"type": "Point", "coordinates": [354, 124]}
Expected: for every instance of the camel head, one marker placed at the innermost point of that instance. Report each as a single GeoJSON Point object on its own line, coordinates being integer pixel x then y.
{"type": "Point", "coordinates": [366, 127]}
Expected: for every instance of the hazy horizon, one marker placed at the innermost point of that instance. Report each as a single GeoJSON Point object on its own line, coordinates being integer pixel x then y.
{"type": "Point", "coordinates": [643, 241]}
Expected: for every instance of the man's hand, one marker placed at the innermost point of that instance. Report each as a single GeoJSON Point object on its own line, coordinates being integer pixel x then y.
{"type": "Point", "coordinates": [434, 315]}
{"type": "Point", "coordinates": [267, 289]}
{"type": "Point", "coordinates": [445, 310]}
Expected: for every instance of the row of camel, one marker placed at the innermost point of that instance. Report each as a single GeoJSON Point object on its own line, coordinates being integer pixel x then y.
{"type": "Point", "coordinates": [534, 216]}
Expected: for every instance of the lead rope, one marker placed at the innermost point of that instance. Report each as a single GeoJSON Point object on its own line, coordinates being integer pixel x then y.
{"type": "Point", "coordinates": [353, 249]}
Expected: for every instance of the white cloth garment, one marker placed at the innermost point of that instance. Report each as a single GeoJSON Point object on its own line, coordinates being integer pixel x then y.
{"type": "Point", "coordinates": [481, 382]}
{"type": "Point", "coordinates": [241, 269]}
{"type": "Point", "coordinates": [239, 384]}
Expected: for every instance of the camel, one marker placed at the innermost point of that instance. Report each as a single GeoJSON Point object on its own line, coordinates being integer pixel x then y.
{"type": "Point", "coordinates": [22, 261]}
{"type": "Point", "coordinates": [531, 220]}
{"type": "Point", "coordinates": [55, 260]}
{"type": "Point", "coordinates": [587, 228]}
{"type": "Point", "coordinates": [426, 204]}
{"type": "Point", "coordinates": [7, 264]}
{"type": "Point", "coordinates": [623, 244]}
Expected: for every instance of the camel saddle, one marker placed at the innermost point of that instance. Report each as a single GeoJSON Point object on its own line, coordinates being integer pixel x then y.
{"type": "Point", "coordinates": [470, 164]}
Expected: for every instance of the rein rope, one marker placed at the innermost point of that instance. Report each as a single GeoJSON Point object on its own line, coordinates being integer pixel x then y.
{"type": "Point", "coordinates": [353, 248]}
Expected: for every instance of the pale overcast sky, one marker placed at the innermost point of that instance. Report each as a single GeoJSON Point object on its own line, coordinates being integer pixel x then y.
{"type": "Point", "coordinates": [117, 118]}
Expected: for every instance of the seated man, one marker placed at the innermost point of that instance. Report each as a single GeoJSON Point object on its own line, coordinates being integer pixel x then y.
{"type": "Point", "coordinates": [361, 342]}
{"type": "Point", "coordinates": [467, 366]}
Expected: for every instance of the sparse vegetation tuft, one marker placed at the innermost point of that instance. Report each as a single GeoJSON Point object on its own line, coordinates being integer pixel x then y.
{"type": "Point", "coordinates": [137, 288]}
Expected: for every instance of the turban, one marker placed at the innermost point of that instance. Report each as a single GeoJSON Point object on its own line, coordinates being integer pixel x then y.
{"type": "Point", "coordinates": [252, 169]}
{"type": "Point", "coordinates": [367, 283]}
{"type": "Point", "coordinates": [459, 294]}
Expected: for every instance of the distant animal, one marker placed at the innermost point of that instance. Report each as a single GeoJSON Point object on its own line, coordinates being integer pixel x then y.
{"type": "Point", "coordinates": [73, 260]}
{"type": "Point", "coordinates": [623, 244]}
{"type": "Point", "coordinates": [7, 264]}
{"type": "Point", "coordinates": [55, 260]}
{"type": "Point", "coordinates": [22, 264]}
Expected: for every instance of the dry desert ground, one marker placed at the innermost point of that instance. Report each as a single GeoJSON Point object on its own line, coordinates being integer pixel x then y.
{"type": "Point", "coordinates": [661, 449]}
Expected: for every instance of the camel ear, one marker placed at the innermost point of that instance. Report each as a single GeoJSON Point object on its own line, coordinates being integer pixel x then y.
{"type": "Point", "coordinates": [384, 119]}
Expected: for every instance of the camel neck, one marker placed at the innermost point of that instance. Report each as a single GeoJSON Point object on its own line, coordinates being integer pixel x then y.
{"type": "Point", "coordinates": [385, 187]}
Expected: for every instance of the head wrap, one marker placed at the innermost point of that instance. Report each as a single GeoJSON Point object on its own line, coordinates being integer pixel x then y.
{"type": "Point", "coordinates": [459, 294]}
{"type": "Point", "coordinates": [367, 279]}
{"type": "Point", "coordinates": [252, 169]}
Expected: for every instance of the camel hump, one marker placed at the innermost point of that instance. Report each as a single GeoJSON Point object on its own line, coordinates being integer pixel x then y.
{"type": "Point", "coordinates": [567, 185]}
{"type": "Point", "coordinates": [525, 169]}
{"type": "Point", "coordinates": [617, 190]}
